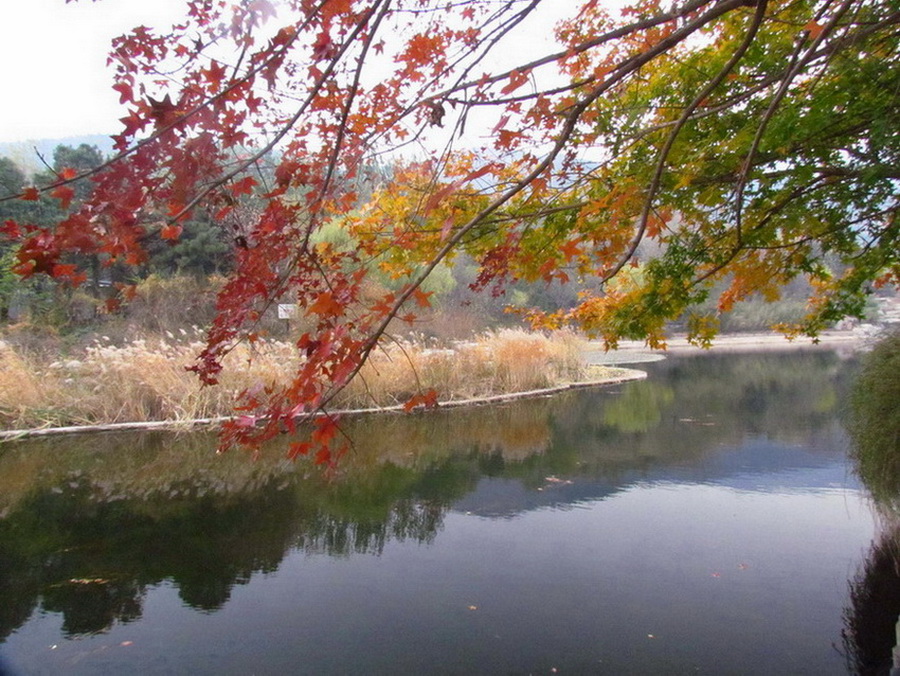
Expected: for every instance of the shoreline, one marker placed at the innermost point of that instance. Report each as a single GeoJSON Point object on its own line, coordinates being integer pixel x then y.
{"type": "Point", "coordinates": [628, 352]}
{"type": "Point", "coordinates": [626, 375]}
{"type": "Point", "coordinates": [635, 351]}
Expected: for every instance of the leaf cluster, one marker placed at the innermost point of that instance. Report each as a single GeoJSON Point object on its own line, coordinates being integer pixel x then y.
{"type": "Point", "coordinates": [652, 155]}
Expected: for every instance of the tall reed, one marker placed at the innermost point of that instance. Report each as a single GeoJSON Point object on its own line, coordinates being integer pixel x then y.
{"type": "Point", "coordinates": [147, 379]}
{"type": "Point", "coordinates": [873, 421]}
{"type": "Point", "coordinates": [495, 362]}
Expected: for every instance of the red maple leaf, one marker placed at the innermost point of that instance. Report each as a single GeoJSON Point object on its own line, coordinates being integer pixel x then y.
{"type": "Point", "coordinates": [64, 194]}
{"type": "Point", "coordinates": [326, 429]}
{"type": "Point", "coordinates": [126, 95]}
{"type": "Point", "coordinates": [243, 187]}
{"type": "Point", "coordinates": [298, 448]}
{"type": "Point", "coordinates": [133, 123]}
{"type": "Point", "coordinates": [10, 229]}
{"type": "Point", "coordinates": [323, 47]}
{"type": "Point", "coordinates": [163, 112]}
{"type": "Point", "coordinates": [215, 74]}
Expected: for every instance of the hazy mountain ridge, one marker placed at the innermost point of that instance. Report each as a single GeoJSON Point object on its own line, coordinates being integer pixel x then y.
{"type": "Point", "coordinates": [27, 154]}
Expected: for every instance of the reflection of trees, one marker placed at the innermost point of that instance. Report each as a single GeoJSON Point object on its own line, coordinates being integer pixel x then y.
{"type": "Point", "coordinates": [92, 560]}
{"type": "Point", "coordinates": [341, 537]}
{"type": "Point", "coordinates": [90, 606]}
{"type": "Point", "coordinates": [874, 425]}
{"type": "Point", "coordinates": [871, 619]}
{"type": "Point", "coordinates": [639, 408]}
{"type": "Point", "coordinates": [759, 393]}
{"type": "Point", "coordinates": [695, 403]}
{"type": "Point", "coordinates": [86, 529]}
{"type": "Point", "coordinates": [696, 406]}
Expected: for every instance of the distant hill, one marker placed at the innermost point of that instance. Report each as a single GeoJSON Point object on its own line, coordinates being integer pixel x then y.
{"type": "Point", "coordinates": [25, 153]}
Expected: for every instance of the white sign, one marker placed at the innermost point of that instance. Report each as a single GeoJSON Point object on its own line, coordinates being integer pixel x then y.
{"type": "Point", "coordinates": [287, 311]}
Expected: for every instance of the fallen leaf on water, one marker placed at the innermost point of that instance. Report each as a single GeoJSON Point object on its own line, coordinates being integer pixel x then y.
{"type": "Point", "coordinates": [473, 607]}
{"type": "Point", "coordinates": [126, 643]}
{"type": "Point", "coordinates": [717, 574]}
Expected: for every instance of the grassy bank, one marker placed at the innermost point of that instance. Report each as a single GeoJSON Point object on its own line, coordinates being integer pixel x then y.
{"type": "Point", "coordinates": [873, 421]}
{"type": "Point", "coordinates": [145, 379]}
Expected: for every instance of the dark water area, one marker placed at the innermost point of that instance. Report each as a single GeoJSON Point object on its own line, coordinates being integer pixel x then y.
{"type": "Point", "coordinates": [705, 520]}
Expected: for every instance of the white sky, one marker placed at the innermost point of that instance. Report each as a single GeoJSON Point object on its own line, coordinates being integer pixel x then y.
{"type": "Point", "coordinates": [55, 82]}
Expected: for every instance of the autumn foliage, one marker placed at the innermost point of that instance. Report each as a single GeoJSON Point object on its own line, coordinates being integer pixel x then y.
{"type": "Point", "coordinates": [659, 149]}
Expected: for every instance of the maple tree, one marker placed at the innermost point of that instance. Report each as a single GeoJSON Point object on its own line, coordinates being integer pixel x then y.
{"type": "Point", "coordinates": [659, 149]}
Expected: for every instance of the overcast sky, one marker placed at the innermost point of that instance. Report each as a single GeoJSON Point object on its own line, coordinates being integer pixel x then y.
{"type": "Point", "coordinates": [53, 61]}
{"type": "Point", "coordinates": [55, 82]}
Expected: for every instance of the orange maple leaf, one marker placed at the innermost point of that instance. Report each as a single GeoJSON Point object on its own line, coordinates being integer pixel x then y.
{"type": "Point", "coordinates": [425, 400]}
{"type": "Point", "coordinates": [170, 232]}
{"type": "Point", "coordinates": [422, 297]}
{"type": "Point", "coordinates": [570, 249]}
{"type": "Point", "coordinates": [64, 194]}
{"type": "Point", "coordinates": [326, 429]}
{"type": "Point", "coordinates": [516, 80]}
{"type": "Point", "coordinates": [814, 29]}
{"type": "Point", "coordinates": [299, 448]}
{"type": "Point", "coordinates": [325, 305]}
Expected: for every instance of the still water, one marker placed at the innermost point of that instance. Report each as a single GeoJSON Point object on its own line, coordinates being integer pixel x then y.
{"type": "Point", "coordinates": [705, 520]}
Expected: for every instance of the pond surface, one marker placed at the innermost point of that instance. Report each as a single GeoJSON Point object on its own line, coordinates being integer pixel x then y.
{"type": "Point", "coordinates": [702, 521]}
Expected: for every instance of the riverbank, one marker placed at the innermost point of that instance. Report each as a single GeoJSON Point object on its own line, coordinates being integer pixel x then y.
{"type": "Point", "coordinates": [143, 384]}
{"type": "Point", "coordinates": [145, 387]}
{"type": "Point", "coordinates": [612, 376]}
{"type": "Point", "coordinates": [635, 351]}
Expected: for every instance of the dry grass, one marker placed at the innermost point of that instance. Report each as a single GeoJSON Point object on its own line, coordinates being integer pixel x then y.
{"type": "Point", "coordinates": [141, 380]}
{"type": "Point", "coordinates": [146, 379]}
{"type": "Point", "coordinates": [509, 360]}
{"type": "Point", "coordinates": [24, 394]}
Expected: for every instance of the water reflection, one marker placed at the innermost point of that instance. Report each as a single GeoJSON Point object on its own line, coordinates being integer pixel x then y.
{"type": "Point", "coordinates": [92, 526]}
{"type": "Point", "coordinates": [872, 619]}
